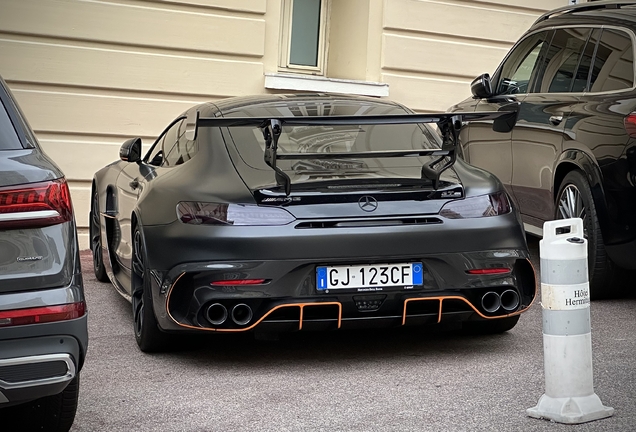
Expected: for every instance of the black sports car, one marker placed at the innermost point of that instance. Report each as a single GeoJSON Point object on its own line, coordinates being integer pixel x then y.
{"type": "Point", "coordinates": [289, 212]}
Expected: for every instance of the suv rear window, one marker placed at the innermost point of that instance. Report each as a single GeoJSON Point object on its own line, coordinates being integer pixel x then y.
{"type": "Point", "coordinates": [8, 137]}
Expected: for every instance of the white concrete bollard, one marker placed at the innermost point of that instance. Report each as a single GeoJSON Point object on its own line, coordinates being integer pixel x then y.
{"type": "Point", "coordinates": [567, 339]}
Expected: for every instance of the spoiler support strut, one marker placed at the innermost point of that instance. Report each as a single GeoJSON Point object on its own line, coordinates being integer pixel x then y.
{"type": "Point", "coordinates": [271, 132]}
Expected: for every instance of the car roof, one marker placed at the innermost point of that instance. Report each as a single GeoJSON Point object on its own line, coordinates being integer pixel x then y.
{"type": "Point", "coordinates": [604, 10]}
{"type": "Point", "coordinates": [243, 103]}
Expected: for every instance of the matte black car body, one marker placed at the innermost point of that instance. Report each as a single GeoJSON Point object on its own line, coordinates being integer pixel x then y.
{"type": "Point", "coordinates": [363, 214]}
{"type": "Point", "coordinates": [43, 324]}
{"type": "Point", "coordinates": [571, 152]}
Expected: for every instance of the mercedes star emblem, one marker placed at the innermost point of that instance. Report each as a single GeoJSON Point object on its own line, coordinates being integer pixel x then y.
{"type": "Point", "coordinates": [368, 203]}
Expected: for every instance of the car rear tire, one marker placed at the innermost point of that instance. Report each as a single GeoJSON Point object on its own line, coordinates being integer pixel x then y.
{"type": "Point", "coordinates": [96, 241]}
{"type": "Point", "coordinates": [52, 413]}
{"type": "Point", "coordinates": [491, 326]}
{"type": "Point", "coordinates": [147, 333]}
{"type": "Point", "coordinates": [574, 199]}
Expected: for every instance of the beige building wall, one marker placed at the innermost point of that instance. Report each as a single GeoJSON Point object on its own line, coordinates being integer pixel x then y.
{"type": "Point", "coordinates": [91, 73]}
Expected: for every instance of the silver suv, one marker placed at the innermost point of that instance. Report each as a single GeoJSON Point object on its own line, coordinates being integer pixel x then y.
{"type": "Point", "coordinates": [43, 322]}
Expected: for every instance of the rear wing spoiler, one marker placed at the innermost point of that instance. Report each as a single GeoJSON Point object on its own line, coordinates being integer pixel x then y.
{"type": "Point", "coordinates": [449, 124]}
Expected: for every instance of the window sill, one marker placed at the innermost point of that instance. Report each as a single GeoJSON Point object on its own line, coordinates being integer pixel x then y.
{"type": "Point", "coordinates": [321, 84]}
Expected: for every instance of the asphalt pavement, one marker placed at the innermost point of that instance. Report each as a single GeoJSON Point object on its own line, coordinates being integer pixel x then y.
{"type": "Point", "coordinates": [399, 380]}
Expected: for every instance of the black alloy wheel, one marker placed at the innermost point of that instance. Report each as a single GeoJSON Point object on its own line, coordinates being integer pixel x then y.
{"type": "Point", "coordinates": [147, 333]}
{"type": "Point", "coordinates": [96, 241]}
{"type": "Point", "coordinates": [574, 200]}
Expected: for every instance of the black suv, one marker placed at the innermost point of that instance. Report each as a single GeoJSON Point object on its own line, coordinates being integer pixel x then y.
{"type": "Point", "coordinates": [43, 323]}
{"type": "Point", "coordinates": [572, 152]}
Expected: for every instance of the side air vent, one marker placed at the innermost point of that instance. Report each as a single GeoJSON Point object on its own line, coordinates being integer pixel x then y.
{"type": "Point", "coordinates": [369, 223]}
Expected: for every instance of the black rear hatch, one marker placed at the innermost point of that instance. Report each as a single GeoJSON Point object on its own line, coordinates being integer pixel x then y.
{"type": "Point", "coordinates": [356, 177]}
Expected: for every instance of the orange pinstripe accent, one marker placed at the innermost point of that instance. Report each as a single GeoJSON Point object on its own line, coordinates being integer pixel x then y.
{"type": "Point", "coordinates": [300, 305]}
{"type": "Point", "coordinates": [534, 298]}
{"type": "Point", "coordinates": [441, 301]}
{"type": "Point", "coordinates": [442, 298]}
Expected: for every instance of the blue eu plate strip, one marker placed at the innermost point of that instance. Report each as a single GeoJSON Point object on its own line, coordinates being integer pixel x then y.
{"type": "Point", "coordinates": [418, 273]}
{"type": "Point", "coordinates": [321, 278]}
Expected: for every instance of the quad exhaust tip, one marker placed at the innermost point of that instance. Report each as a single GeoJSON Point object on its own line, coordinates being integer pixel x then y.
{"type": "Point", "coordinates": [509, 300]}
{"type": "Point", "coordinates": [491, 302]}
{"type": "Point", "coordinates": [241, 314]}
{"type": "Point", "coordinates": [216, 314]}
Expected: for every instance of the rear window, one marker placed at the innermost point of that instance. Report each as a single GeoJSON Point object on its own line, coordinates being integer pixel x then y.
{"type": "Point", "coordinates": [8, 137]}
{"type": "Point", "coordinates": [335, 139]}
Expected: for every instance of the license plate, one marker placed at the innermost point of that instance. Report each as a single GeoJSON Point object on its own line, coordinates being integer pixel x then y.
{"type": "Point", "coordinates": [369, 276]}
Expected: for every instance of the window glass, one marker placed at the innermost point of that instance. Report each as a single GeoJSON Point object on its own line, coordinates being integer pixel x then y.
{"type": "Point", "coordinates": [305, 32]}
{"type": "Point", "coordinates": [583, 71]}
{"type": "Point", "coordinates": [303, 35]}
{"type": "Point", "coordinates": [8, 137]}
{"type": "Point", "coordinates": [520, 67]}
{"type": "Point", "coordinates": [613, 67]}
{"type": "Point", "coordinates": [562, 59]}
{"type": "Point", "coordinates": [155, 156]}
{"type": "Point", "coordinates": [183, 150]}
{"type": "Point", "coordinates": [170, 156]}
{"type": "Point", "coordinates": [163, 145]}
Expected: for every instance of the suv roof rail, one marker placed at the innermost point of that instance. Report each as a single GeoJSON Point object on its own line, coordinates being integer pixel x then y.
{"type": "Point", "coordinates": [585, 7]}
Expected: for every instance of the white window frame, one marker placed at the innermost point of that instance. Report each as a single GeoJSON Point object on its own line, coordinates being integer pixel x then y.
{"type": "Point", "coordinates": [285, 40]}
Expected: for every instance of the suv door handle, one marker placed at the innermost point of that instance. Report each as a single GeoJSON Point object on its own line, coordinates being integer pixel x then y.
{"type": "Point", "coordinates": [556, 119]}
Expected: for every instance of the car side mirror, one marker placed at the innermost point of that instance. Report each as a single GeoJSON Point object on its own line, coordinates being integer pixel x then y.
{"type": "Point", "coordinates": [481, 87]}
{"type": "Point", "coordinates": [130, 150]}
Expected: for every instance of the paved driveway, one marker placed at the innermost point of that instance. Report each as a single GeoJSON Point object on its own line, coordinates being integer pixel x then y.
{"type": "Point", "coordinates": [410, 380]}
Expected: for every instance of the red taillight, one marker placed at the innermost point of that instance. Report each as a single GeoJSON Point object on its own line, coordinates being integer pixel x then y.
{"type": "Point", "coordinates": [44, 314]}
{"type": "Point", "coordinates": [239, 282]}
{"type": "Point", "coordinates": [480, 206]}
{"type": "Point", "coordinates": [630, 124]}
{"type": "Point", "coordinates": [488, 271]}
{"type": "Point", "coordinates": [35, 205]}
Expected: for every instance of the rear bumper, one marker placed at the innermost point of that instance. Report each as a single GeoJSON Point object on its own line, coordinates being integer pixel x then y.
{"type": "Point", "coordinates": [39, 360]}
{"type": "Point", "coordinates": [293, 303]}
{"type": "Point", "coordinates": [32, 366]}
{"type": "Point", "coordinates": [287, 260]}
{"type": "Point", "coordinates": [185, 259]}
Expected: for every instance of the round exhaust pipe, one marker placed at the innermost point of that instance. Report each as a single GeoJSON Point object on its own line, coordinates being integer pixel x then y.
{"type": "Point", "coordinates": [509, 300]}
{"type": "Point", "coordinates": [491, 302]}
{"type": "Point", "coordinates": [216, 314]}
{"type": "Point", "coordinates": [241, 314]}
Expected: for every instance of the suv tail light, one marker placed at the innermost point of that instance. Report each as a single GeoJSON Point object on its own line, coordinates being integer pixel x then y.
{"type": "Point", "coordinates": [35, 205]}
{"type": "Point", "coordinates": [43, 314]}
